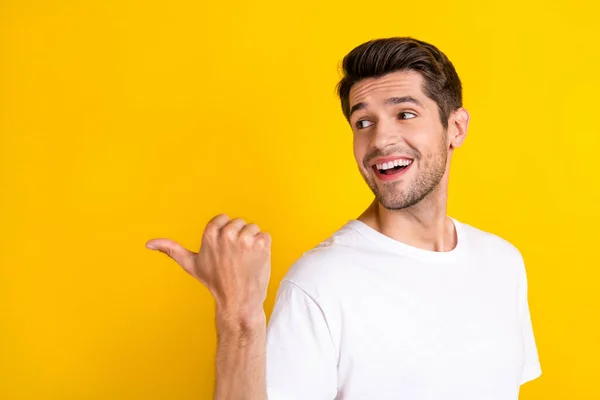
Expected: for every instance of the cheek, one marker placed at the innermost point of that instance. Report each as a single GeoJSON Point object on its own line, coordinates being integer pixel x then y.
{"type": "Point", "coordinates": [429, 140]}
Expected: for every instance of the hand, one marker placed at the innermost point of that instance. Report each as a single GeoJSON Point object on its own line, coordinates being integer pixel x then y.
{"type": "Point", "coordinates": [234, 263]}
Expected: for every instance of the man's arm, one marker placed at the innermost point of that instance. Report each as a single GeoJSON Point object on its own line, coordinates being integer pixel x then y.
{"type": "Point", "coordinates": [234, 263]}
{"type": "Point", "coordinates": [241, 358]}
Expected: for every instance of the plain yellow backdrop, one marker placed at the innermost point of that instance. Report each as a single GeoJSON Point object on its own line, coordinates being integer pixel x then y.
{"type": "Point", "coordinates": [121, 121]}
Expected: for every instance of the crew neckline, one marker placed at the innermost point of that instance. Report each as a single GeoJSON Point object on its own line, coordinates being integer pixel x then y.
{"type": "Point", "coordinates": [396, 246]}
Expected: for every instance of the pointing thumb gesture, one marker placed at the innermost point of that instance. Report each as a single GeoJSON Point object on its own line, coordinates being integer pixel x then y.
{"type": "Point", "coordinates": [177, 252]}
{"type": "Point", "coordinates": [234, 263]}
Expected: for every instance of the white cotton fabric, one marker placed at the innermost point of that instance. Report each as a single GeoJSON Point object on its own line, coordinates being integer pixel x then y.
{"type": "Point", "coordinates": [363, 316]}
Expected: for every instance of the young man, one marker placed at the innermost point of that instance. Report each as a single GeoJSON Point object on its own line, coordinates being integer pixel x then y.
{"type": "Point", "coordinates": [403, 302]}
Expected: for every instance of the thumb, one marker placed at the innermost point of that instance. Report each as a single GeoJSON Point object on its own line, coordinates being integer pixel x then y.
{"type": "Point", "coordinates": [177, 252]}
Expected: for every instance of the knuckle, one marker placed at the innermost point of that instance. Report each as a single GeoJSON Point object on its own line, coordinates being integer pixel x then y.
{"type": "Point", "coordinates": [262, 240]}
{"type": "Point", "coordinates": [229, 233]}
{"type": "Point", "coordinates": [248, 235]}
{"type": "Point", "coordinates": [247, 240]}
{"type": "Point", "coordinates": [211, 231]}
{"type": "Point", "coordinates": [218, 218]}
{"type": "Point", "coordinates": [214, 224]}
{"type": "Point", "coordinates": [266, 237]}
{"type": "Point", "coordinates": [232, 229]}
{"type": "Point", "coordinates": [210, 228]}
{"type": "Point", "coordinates": [238, 222]}
{"type": "Point", "coordinates": [250, 230]}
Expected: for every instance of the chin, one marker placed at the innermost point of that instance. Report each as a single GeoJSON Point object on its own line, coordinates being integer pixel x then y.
{"type": "Point", "coordinates": [394, 203]}
{"type": "Point", "coordinates": [400, 195]}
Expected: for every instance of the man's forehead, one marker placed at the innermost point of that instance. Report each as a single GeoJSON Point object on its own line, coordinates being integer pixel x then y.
{"type": "Point", "coordinates": [398, 84]}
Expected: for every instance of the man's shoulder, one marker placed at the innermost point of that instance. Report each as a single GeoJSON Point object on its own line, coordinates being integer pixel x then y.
{"type": "Point", "coordinates": [324, 264]}
{"type": "Point", "coordinates": [490, 243]}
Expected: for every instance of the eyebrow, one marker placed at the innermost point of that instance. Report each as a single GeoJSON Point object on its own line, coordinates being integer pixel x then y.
{"type": "Point", "coordinates": [391, 100]}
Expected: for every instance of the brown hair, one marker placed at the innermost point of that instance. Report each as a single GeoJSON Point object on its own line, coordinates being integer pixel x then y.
{"type": "Point", "coordinates": [380, 57]}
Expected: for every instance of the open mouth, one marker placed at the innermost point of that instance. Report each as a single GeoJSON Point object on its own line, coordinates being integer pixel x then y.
{"type": "Point", "coordinates": [392, 169]}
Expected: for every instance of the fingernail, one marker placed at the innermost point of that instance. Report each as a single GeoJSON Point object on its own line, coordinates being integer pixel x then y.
{"type": "Point", "coordinates": [151, 247]}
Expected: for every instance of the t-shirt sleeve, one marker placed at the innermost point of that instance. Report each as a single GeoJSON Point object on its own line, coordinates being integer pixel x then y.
{"type": "Point", "coordinates": [531, 368]}
{"type": "Point", "coordinates": [301, 356]}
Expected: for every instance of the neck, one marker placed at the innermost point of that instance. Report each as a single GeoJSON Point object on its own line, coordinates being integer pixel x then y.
{"type": "Point", "coordinates": [424, 225]}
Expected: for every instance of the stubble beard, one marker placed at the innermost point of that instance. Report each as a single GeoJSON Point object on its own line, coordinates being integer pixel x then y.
{"type": "Point", "coordinates": [429, 174]}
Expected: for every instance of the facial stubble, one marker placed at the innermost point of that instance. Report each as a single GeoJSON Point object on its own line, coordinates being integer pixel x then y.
{"type": "Point", "coordinates": [430, 170]}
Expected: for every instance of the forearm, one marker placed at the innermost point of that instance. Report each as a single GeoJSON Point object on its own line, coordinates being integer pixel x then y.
{"type": "Point", "coordinates": [241, 358]}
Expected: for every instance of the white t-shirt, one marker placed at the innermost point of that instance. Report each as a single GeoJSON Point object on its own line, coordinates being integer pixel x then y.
{"type": "Point", "coordinates": [363, 316]}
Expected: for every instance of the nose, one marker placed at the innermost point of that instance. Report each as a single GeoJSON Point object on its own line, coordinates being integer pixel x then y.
{"type": "Point", "coordinates": [385, 134]}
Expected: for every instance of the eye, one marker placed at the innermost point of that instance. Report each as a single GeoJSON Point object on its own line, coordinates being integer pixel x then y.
{"type": "Point", "coordinates": [363, 123]}
{"type": "Point", "coordinates": [407, 115]}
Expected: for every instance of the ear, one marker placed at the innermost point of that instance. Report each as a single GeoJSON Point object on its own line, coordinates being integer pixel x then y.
{"type": "Point", "coordinates": [458, 124]}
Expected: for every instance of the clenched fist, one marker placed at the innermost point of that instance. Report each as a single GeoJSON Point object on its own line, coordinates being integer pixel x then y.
{"type": "Point", "coordinates": [234, 263]}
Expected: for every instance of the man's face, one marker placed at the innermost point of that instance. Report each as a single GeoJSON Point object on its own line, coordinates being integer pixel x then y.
{"type": "Point", "coordinates": [400, 145]}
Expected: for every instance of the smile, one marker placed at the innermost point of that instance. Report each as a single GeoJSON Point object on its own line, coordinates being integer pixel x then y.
{"type": "Point", "coordinates": [392, 169]}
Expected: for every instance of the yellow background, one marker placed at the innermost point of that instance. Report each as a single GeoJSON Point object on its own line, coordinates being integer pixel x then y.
{"type": "Point", "coordinates": [121, 121]}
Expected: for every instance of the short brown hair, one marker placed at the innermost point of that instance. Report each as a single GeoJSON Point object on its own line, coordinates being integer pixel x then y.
{"type": "Point", "coordinates": [380, 57]}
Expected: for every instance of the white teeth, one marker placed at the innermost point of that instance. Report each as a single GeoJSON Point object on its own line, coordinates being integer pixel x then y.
{"type": "Point", "coordinates": [396, 163]}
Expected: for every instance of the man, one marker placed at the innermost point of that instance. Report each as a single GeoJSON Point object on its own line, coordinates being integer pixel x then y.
{"type": "Point", "coordinates": [403, 302]}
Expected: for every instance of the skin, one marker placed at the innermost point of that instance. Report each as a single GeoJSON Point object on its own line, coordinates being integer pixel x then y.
{"type": "Point", "coordinates": [412, 208]}
{"type": "Point", "coordinates": [234, 260]}
{"type": "Point", "coordinates": [234, 263]}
